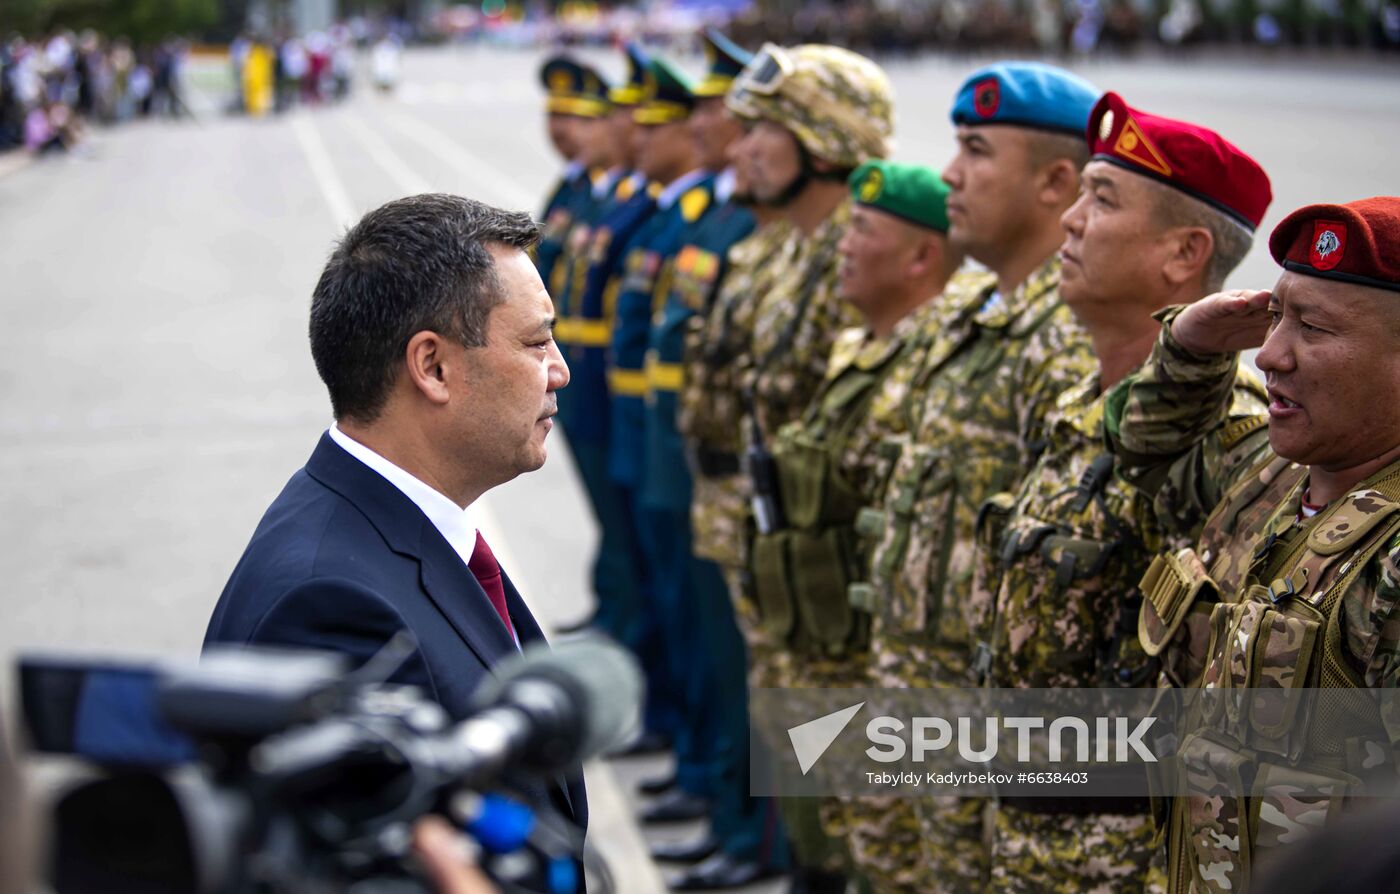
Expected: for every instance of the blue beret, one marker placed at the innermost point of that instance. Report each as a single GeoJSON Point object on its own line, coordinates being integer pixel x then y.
{"type": "Point", "coordinates": [1028, 94]}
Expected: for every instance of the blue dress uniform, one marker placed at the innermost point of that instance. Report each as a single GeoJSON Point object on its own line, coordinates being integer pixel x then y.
{"type": "Point", "coordinates": [646, 272]}
{"type": "Point", "coordinates": [564, 81]}
{"type": "Point", "coordinates": [584, 304]}
{"type": "Point", "coordinates": [744, 828]}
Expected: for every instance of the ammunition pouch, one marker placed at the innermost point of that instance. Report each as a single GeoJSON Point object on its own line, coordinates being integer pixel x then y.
{"type": "Point", "coordinates": [802, 582]}
{"type": "Point", "coordinates": [1225, 829]}
{"type": "Point", "coordinates": [803, 573]}
{"type": "Point", "coordinates": [1177, 598]}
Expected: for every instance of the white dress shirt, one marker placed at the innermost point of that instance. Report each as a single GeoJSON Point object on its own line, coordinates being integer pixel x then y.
{"type": "Point", "coordinates": [452, 521]}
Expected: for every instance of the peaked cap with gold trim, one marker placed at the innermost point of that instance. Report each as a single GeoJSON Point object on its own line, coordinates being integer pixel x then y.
{"type": "Point", "coordinates": [726, 59]}
{"type": "Point", "coordinates": [633, 89]}
{"type": "Point", "coordinates": [1193, 159]}
{"type": "Point", "coordinates": [670, 95]}
{"type": "Point", "coordinates": [573, 88]}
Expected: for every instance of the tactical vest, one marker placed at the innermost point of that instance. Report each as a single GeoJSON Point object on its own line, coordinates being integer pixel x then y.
{"type": "Point", "coordinates": [802, 574]}
{"type": "Point", "coordinates": [1266, 613]}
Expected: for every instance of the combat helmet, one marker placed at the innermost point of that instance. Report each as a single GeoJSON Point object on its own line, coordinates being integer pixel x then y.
{"type": "Point", "coordinates": [839, 104]}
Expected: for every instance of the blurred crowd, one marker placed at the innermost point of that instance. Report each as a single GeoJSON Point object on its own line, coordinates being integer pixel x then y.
{"type": "Point", "coordinates": [51, 87]}
{"type": "Point", "coordinates": [272, 74]}
{"type": "Point", "coordinates": [1043, 26]}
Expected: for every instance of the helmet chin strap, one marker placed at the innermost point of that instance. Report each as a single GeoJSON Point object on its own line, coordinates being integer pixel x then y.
{"type": "Point", "coordinates": [806, 173]}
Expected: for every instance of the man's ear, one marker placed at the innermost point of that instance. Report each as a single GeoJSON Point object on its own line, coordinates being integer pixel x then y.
{"type": "Point", "coordinates": [927, 255]}
{"type": "Point", "coordinates": [1194, 247]}
{"type": "Point", "coordinates": [1059, 183]}
{"type": "Point", "coordinates": [427, 360]}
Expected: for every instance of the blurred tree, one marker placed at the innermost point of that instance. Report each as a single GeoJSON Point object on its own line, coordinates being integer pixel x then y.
{"type": "Point", "coordinates": [141, 20]}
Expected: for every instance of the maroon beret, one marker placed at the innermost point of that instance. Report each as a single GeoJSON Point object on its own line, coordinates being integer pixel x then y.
{"type": "Point", "coordinates": [1358, 242]}
{"type": "Point", "coordinates": [1195, 160]}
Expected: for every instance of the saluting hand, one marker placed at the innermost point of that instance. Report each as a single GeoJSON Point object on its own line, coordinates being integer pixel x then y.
{"type": "Point", "coordinates": [1224, 322]}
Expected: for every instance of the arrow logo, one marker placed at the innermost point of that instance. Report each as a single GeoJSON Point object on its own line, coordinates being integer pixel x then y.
{"type": "Point", "coordinates": [810, 740]}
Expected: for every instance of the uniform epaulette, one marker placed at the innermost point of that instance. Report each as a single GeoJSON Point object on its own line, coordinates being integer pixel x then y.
{"type": "Point", "coordinates": [1240, 429]}
{"type": "Point", "coordinates": [694, 203]}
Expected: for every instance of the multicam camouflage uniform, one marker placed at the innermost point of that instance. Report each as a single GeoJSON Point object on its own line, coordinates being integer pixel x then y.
{"type": "Point", "coordinates": [1268, 599]}
{"type": "Point", "coordinates": [1055, 604]}
{"type": "Point", "coordinates": [719, 359]}
{"type": "Point", "coordinates": [986, 385]}
{"type": "Point", "coordinates": [839, 107]}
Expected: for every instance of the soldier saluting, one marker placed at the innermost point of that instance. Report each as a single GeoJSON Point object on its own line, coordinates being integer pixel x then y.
{"type": "Point", "coordinates": [1295, 580]}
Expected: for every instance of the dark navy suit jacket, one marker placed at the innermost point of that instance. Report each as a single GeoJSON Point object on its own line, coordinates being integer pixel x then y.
{"type": "Point", "coordinates": [342, 560]}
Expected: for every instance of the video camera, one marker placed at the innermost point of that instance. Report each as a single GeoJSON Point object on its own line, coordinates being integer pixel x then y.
{"type": "Point", "coordinates": [261, 770]}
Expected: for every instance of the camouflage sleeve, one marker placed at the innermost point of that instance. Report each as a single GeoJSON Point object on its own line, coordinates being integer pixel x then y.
{"type": "Point", "coordinates": [1185, 428]}
{"type": "Point", "coordinates": [1172, 402]}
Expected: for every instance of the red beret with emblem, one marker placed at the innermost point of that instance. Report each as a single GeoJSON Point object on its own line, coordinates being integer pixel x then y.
{"type": "Point", "coordinates": [1358, 242]}
{"type": "Point", "coordinates": [1193, 159]}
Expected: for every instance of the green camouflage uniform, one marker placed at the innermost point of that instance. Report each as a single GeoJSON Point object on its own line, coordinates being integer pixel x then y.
{"type": "Point", "coordinates": [1268, 599]}
{"type": "Point", "coordinates": [1055, 603]}
{"type": "Point", "coordinates": [986, 384]}
{"type": "Point", "coordinates": [719, 360]}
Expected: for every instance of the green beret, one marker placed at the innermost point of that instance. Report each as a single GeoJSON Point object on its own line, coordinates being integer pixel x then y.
{"type": "Point", "coordinates": [915, 193]}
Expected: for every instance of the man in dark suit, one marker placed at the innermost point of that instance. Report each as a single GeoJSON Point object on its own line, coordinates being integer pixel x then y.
{"type": "Point", "coordinates": [434, 336]}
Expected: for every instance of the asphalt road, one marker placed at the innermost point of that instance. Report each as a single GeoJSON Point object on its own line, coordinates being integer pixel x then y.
{"type": "Point", "coordinates": [156, 390]}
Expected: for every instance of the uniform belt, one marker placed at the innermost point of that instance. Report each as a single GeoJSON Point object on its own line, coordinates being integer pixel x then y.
{"type": "Point", "coordinates": [664, 376]}
{"type": "Point", "coordinates": [1079, 806]}
{"type": "Point", "coordinates": [583, 332]}
{"type": "Point", "coordinates": [627, 382]}
{"type": "Point", "coordinates": [716, 463]}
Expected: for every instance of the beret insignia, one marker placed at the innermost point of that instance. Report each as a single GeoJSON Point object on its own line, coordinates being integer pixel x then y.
{"type": "Point", "coordinates": [986, 97]}
{"type": "Point", "coordinates": [1329, 244]}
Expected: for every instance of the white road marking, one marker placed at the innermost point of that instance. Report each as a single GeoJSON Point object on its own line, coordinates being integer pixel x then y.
{"type": "Point", "coordinates": [486, 178]}
{"type": "Point", "coordinates": [332, 188]}
{"type": "Point", "coordinates": [399, 170]}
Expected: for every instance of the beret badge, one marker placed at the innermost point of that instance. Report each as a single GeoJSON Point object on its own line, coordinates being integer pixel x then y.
{"type": "Point", "coordinates": [986, 97]}
{"type": "Point", "coordinates": [872, 187]}
{"type": "Point", "coordinates": [1329, 244]}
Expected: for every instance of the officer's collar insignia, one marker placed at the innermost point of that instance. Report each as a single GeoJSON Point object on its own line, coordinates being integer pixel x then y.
{"type": "Point", "coordinates": [986, 97]}
{"type": "Point", "coordinates": [1329, 244]}
{"type": "Point", "coordinates": [872, 187]}
{"type": "Point", "coordinates": [1134, 145]}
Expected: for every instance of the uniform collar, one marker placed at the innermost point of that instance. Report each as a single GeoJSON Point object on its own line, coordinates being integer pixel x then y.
{"type": "Point", "coordinates": [999, 311]}
{"type": "Point", "coordinates": [724, 185]}
{"type": "Point", "coordinates": [677, 187]}
{"type": "Point", "coordinates": [1081, 407]}
{"type": "Point", "coordinates": [604, 185]}
{"type": "Point", "coordinates": [572, 170]}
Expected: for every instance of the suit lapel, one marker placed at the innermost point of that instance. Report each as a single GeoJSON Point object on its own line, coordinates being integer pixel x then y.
{"type": "Point", "coordinates": [456, 593]}
{"type": "Point", "coordinates": [444, 576]}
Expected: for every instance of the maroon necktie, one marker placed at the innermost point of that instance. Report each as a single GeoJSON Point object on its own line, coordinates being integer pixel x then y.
{"type": "Point", "coordinates": [488, 573]}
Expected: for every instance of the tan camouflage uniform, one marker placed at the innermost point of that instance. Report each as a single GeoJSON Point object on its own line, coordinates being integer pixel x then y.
{"type": "Point", "coordinates": [985, 387]}
{"type": "Point", "coordinates": [1270, 600]}
{"type": "Point", "coordinates": [840, 107]}
{"type": "Point", "coordinates": [719, 360]}
{"type": "Point", "coordinates": [1055, 603]}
